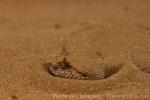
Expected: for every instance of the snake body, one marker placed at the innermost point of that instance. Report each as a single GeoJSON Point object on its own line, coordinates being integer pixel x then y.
{"type": "Point", "coordinates": [143, 65]}
{"type": "Point", "coordinates": [63, 69]}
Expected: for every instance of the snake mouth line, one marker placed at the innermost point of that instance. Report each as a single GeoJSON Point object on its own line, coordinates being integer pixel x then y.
{"type": "Point", "coordinates": [64, 69]}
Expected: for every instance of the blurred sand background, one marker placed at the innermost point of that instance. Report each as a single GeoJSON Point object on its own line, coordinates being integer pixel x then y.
{"type": "Point", "coordinates": [93, 32]}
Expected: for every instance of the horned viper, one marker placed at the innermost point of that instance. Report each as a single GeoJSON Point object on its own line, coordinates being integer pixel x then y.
{"type": "Point", "coordinates": [64, 69]}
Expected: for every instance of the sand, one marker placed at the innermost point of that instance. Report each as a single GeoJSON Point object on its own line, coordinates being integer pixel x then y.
{"type": "Point", "coordinates": [33, 32]}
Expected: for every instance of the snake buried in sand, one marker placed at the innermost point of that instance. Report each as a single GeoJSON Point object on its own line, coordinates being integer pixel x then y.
{"type": "Point", "coordinates": [64, 69]}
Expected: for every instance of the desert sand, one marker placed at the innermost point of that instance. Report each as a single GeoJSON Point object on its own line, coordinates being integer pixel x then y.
{"type": "Point", "coordinates": [33, 32]}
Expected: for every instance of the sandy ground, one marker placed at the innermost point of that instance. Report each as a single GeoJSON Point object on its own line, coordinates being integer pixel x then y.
{"type": "Point", "coordinates": [93, 32]}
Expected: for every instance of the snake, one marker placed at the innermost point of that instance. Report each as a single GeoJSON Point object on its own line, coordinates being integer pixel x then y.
{"type": "Point", "coordinates": [63, 69]}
